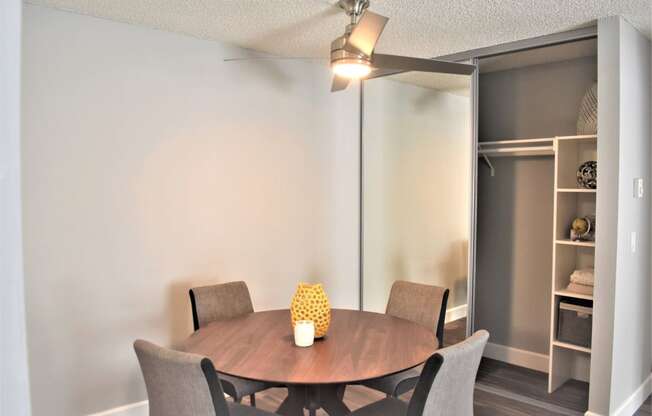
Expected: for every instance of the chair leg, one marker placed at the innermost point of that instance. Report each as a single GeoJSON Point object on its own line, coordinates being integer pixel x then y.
{"type": "Point", "coordinates": [252, 400]}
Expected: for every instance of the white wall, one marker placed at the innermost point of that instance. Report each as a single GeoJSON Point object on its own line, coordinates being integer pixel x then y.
{"type": "Point", "coordinates": [14, 387]}
{"type": "Point", "coordinates": [622, 342]}
{"type": "Point", "coordinates": [632, 345]}
{"type": "Point", "coordinates": [151, 166]}
{"type": "Point", "coordinates": [416, 189]}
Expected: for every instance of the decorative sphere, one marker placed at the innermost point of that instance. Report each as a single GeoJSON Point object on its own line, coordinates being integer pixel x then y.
{"type": "Point", "coordinates": [587, 175]}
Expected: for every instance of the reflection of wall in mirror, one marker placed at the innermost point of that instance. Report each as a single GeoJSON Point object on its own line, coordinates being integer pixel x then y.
{"type": "Point", "coordinates": [416, 190]}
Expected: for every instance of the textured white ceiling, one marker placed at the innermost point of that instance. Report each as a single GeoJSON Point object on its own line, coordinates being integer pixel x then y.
{"type": "Point", "coordinates": [423, 28]}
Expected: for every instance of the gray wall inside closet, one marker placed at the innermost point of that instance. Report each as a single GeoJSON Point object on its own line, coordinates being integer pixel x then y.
{"type": "Point", "coordinates": [515, 207]}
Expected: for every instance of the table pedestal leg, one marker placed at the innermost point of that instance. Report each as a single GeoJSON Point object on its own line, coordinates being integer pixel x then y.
{"type": "Point", "coordinates": [294, 403]}
{"type": "Point", "coordinates": [312, 397]}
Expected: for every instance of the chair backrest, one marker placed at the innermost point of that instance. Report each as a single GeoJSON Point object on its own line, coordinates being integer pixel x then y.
{"type": "Point", "coordinates": [178, 383]}
{"type": "Point", "coordinates": [419, 303]}
{"type": "Point", "coordinates": [447, 381]}
{"type": "Point", "coordinates": [217, 302]}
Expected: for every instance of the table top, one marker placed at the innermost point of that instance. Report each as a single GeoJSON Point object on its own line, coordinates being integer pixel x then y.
{"type": "Point", "coordinates": [358, 346]}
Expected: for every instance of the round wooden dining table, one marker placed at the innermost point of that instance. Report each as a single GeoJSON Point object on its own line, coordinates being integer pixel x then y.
{"type": "Point", "coordinates": [358, 346]}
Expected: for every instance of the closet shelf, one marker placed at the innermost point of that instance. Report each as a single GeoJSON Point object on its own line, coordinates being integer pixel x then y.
{"type": "Point", "coordinates": [517, 147]}
{"type": "Point", "coordinates": [579, 137]}
{"type": "Point", "coordinates": [569, 242]}
{"type": "Point", "coordinates": [569, 294]}
{"type": "Point", "coordinates": [577, 190]}
{"type": "Point", "coordinates": [571, 347]}
{"type": "Point", "coordinates": [516, 141]}
{"type": "Point", "coordinates": [519, 151]}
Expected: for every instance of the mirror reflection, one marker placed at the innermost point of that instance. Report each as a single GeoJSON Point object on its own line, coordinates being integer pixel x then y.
{"type": "Point", "coordinates": [416, 186]}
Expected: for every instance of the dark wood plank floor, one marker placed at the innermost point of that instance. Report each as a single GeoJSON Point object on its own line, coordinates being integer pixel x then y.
{"type": "Point", "coordinates": [501, 390]}
{"type": "Point", "coordinates": [646, 408]}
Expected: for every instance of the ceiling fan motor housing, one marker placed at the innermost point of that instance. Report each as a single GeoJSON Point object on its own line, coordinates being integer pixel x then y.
{"type": "Point", "coordinates": [353, 8]}
{"type": "Point", "coordinates": [341, 55]}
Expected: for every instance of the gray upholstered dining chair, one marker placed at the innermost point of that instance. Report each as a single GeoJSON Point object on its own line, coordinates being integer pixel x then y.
{"type": "Point", "coordinates": [445, 387]}
{"type": "Point", "coordinates": [183, 384]}
{"type": "Point", "coordinates": [424, 305]}
{"type": "Point", "coordinates": [226, 301]}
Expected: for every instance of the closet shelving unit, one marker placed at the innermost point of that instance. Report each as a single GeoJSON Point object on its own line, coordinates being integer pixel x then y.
{"type": "Point", "coordinates": [566, 360]}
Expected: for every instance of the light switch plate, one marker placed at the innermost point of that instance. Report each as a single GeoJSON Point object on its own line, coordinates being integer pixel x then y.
{"type": "Point", "coordinates": [639, 189]}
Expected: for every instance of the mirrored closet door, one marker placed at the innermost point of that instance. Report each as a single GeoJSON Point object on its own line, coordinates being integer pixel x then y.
{"type": "Point", "coordinates": [417, 186]}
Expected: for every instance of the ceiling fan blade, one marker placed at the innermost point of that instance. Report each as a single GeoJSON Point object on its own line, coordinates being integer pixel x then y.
{"type": "Point", "coordinates": [378, 73]}
{"type": "Point", "coordinates": [339, 83]}
{"type": "Point", "coordinates": [406, 63]}
{"type": "Point", "coordinates": [366, 32]}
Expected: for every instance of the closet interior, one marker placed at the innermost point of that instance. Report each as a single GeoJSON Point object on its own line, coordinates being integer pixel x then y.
{"type": "Point", "coordinates": [536, 199]}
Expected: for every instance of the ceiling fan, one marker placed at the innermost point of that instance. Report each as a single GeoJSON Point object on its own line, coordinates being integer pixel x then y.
{"type": "Point", "coordinates": [353, 54]}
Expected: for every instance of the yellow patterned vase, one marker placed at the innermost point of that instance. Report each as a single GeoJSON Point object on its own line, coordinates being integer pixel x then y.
{"type": "Point", "coordinates": [311, 303]}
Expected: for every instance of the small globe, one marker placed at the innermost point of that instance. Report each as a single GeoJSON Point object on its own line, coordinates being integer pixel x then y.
{"type": "Point", "coordinates": [580, 226]}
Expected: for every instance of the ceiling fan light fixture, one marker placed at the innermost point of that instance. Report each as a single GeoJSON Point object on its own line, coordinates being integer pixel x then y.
{"type": "Point", "coordinates": [351, 68]}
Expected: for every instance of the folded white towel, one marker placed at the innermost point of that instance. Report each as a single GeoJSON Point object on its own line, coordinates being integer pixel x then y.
{"type": "Point", "coordinates": [582, 289]}
{"type": "Point", "coordinates": [583, 277]}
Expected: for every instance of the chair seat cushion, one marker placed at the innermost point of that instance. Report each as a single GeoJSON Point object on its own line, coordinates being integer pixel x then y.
{"type": "Point", "coordinates": [395, 384]}
{"type": "Point", "coordinates": [236, 409]}
{"type": "Point", "coordinates": [237, 387]}
{"type": "Point", "coordinates": [385, 407]}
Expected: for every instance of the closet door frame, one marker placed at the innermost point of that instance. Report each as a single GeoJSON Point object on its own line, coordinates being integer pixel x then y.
{"type": "Point", "coordinates": [473, 200]}
{"type": "Point", "coordinates": [474, 56]}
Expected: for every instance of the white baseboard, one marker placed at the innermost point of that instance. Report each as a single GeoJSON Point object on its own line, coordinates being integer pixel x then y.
{"type": "Point", "coordinates": [133, 409]}
{"type": "Point", "coordinates": [633, 402]}
{"type": "Point", "coordinates": [515, 356]}
{"type": "Point", "coordinates": [453, 314]}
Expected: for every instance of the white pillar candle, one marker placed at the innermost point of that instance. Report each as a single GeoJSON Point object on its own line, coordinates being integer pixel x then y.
{"type": "Point", "coordinates": [304, 333]}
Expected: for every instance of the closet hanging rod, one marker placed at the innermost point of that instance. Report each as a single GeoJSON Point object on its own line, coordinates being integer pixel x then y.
{"type": "Point", "coordinates": [519, 151]}
{"type": "Point", "coordinates": [516, 141]}
{"type": "Point", "coordinates": [508, 148]}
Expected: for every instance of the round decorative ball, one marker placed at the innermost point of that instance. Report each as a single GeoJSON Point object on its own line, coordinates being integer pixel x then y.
{"type": "Point", "coordinates": [587, 175]}
{"type": "Point", "coordinates": [310, 303]}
